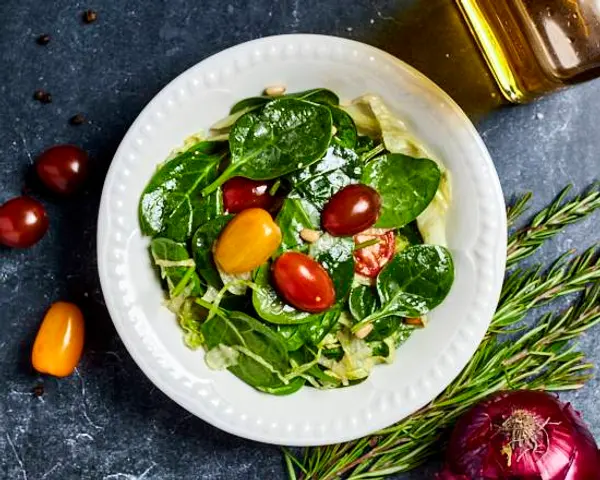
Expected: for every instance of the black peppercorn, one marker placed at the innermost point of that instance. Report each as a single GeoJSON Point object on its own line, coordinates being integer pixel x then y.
{"type": "Point", "coordinates": [42, 96]}
{"type": "Point", "coordinates": [38, 390]}
{"type": "Point", "coordinates": [78, 119]}
{"type": "Point", "coordinates": [43, 39]}
{"type": "Point", "coordinates": [90, 16]}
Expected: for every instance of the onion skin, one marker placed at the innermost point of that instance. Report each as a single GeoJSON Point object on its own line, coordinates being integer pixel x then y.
{"type": "Point", "coordinates": [561, 448]}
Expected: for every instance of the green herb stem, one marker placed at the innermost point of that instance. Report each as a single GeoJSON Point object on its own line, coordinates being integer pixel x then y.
{"type": "Point", "coordinates": [367, 243]}
{"type": "Point", "coordinates": [183, 282]}
{"type": "Point", "coordinates": [226, 175]}
{"type": "Point", "coordinates": [373, 152]}
{"type": "Point", "coordinates": [275, 187]}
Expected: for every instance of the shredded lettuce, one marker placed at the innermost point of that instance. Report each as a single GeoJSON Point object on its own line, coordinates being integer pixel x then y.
{"type": "Point", "coordinates": [226, 123]}
{"type": "Point", "coordinates": [190, 317]}
{"type": "Point", "coordinates": [188, 262]}
{"type": "Point", "coordinates": [357, 362]}
{"type": "Point", "coordinates": [221, 357]}
{"type": "Point", "coordinates": [432, 222]}
{"type": "Point", "coordinates": [175, 303]}
{"type": "Point", "coordinates": [372, 117]}
{"type": "Point", "coordinates": [236, 283]}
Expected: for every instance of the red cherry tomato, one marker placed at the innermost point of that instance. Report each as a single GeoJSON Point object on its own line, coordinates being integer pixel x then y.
{"type": "Point", "coordinates": [303, 282]}
{"type": "Point", "coordinates": [23, 222]}
{"type": "Point", "coordinates": [351, 210]}
{"type": "Point", "coordinates": [63, 168]}
{"type": "Point", "coordinates": [240, 193]}
{"type": "Point", "coordinates": [369, 261]}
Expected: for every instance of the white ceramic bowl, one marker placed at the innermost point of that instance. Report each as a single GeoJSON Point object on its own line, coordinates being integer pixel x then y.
{"type": "Point", "coordinates": [425, 365]}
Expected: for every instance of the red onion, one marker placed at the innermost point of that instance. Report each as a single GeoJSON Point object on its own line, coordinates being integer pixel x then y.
{"type": "Point", "coordinates": [522, 435]}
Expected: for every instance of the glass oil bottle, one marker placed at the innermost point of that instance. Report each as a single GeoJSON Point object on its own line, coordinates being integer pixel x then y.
{"type": "Point", "coordinates": [535, 46]}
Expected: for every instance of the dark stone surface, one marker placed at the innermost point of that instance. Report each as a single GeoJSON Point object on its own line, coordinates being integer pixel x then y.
{"type": "Point", "coordinates": [108, 421]}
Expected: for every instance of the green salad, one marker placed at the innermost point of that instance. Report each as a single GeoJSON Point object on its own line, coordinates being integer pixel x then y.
{"type": "Point", "coordinates": [301, 242]}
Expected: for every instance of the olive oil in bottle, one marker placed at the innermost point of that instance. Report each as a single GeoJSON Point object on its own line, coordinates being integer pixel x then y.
{"type": "Point", "coordinates": [535, 46]}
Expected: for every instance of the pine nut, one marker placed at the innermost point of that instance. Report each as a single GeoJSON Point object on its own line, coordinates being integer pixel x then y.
{"type": "Point", "coordinates": [275, 90]}
{"type": "Point", "coordinates": [310, 236]}
{"type": "Point", "coordinates": [364, 331]}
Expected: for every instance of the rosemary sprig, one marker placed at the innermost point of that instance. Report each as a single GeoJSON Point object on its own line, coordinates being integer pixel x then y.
{"type": "Point", "coordinates": [548, 222]}
{"type": "Point", "coordinates": [541, 358]}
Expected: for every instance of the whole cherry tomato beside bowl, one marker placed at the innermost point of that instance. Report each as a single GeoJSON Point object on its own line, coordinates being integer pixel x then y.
{"type": "Point", "coordinates": [23, 222]}
{"type": "Point", "coordinates": [63, 168]}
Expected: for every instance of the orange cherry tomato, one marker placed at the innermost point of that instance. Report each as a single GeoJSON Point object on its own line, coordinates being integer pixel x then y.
{"type": "Point", "coordinates": [247, 241]}
{"type": "Point", "coordinates": [59, 342]}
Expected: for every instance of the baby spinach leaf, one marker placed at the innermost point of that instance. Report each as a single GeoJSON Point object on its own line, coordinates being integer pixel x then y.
{"type": "Point", "coordinates": [322, 96]}
{"type": "Point", "coordinates": [263, 356]}
{"type": "Point", "coordinates": [406, 186]}
{"type": "Point", "coordinates": [338, 168]}
{"type": "Point", "coordinates": [379, 348]}
{"type": "Point", "coordinates": [363, 302]}
{"type": "Point", "coordinates": [346, 134]}
{"type": "Point", "coordinates": [269, 305]}
{"type": "Point", "coordinates": [316, 95]}
{"type": "Point", "coordinates": [414, 282]}
{"type": "Point", "coordinates": [311, 333]}
{"type": "Point", "coordinates": [286, 135]}
{"type": "Point", "coordinates": [209, 207]}
{"type": "Point", "coordinates": [335, 254]}
{"type": "Point", "coordinates": [292, 219]}
{"type": "Point", "coordinates": [249, 104]}
{"type": "Point", "coordinates": [202, 243]}
{"type": "Point", "coordinates": [232, 302]}
{"type": "Point", "coordinates": [411, 233]}
{"type": "Point", "coordinates": [285, 389]}
{"type": "Point", "coordinates": [335, 353]}
{"type": "Point", "coordinates": [176, 267]}
{"type": "Point", "coordinates": [314, 332]}
{"type": "Point", "coordinates": [292, 336]}
{"type": "Point", "coordinates": [190, 317]}
{"type": "Point", "coordinates": [364, 144]}
{"type": "Point", "coordinates": [386, 327]}
{"type": "Point", "coordinates": [171, 204]}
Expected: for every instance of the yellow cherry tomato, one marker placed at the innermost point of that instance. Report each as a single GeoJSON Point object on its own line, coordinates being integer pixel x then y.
{"type": "Point", "coordinates": [59, 341]}
{"type": "Point", "coordinates": [247, 241]}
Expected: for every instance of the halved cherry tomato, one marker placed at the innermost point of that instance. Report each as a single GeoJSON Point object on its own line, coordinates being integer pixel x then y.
{"type": "Point", "coordinates": [351, 210]}
{"type": "Point", "coordinates": [247, 241]}
{"type": "Point", "coordinates": [63, 168]}
{"type": "Point", "coordinates": [23, 222]}
{"type": "Point", "coordinates": [59, 342]}
{"type": "Point", "coordinates": [303, 282]}
{"type": "Point", "coordinates": [369, 261]}
{"type": "Point", "coordinates": [240, 193]}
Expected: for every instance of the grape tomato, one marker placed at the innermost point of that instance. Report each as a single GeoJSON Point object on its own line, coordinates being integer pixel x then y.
{"type": "Point", "coordinates": [241, 193]}
{"type": "Point", "coordinates": [63, 168]}
{"type": "Point", "coordinates": [247, 241]}
{"type": "Point", "coordinates": [303, 282]}
{"type": "Point", "coordinates": [351, 210]}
